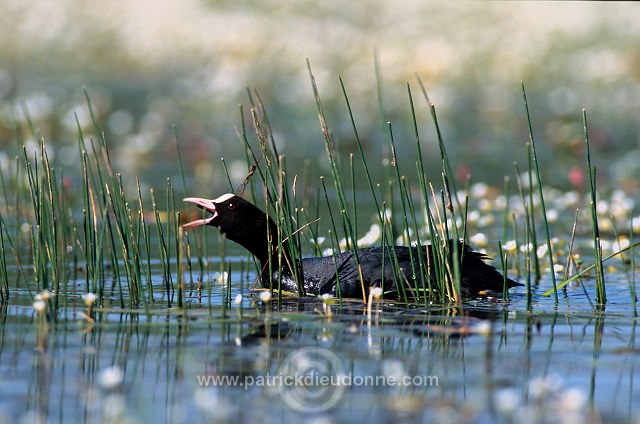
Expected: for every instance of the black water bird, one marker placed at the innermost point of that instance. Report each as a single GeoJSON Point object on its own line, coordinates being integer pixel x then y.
{"type": "Point", "coordinates": [245, 224]}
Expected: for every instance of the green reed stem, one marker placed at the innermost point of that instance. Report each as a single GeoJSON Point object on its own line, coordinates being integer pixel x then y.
{"type": "Point", "coordinates": [4, 291]}
{"type": "Point", "coordinates": [570, 253]}
{"type": "Point", "coordinates": [601, 294]}
{"type": "Point", "coordinates": [542, 203]}
{"type": "Point", "coordinates": [504, 265]}
{"type": "Point", "coordinates": [180, 258]}
{"type": "Point", "coordinates": [447, 170]}
{"type": "Point", "coordinates": [333, 162]}
{"type": "Point", "coordinates": [163, 250]}
{"type": "Point", "coordinates": [534, 234]}
{"type": "Point", "coordinates": [423, 283]}
{"type": "Point", "coordinates": [335, 242]}
{"type": "Point", "coordinates": [361, 151]}
{"type": "Point", "coordinates": [527, 241]}
{"type": "Point", "coordinates": [146, 237]}
{"type": "Point", "coordinates": [505, 218]}
{"type": "Point", "coordinates": [632, 278]}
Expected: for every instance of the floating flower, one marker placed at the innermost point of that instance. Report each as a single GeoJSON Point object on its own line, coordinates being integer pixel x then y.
{"type": "Point", "coordinates": [44, 295]}
{"type": "Point", "coordinates": [39, 305]}
{"type": "Point", "coordinates": [541, 387]}
{"type": "Point", "coordinates": [572, 399]}
{"type": "Point", "coordinates": [376, 292]}
{"type": "Point", "coordinates": [89, 298]}
{"type": "Point", "coordinates": [111, 377]}
{"type": "Point", "coordinates": [372, 236]}
{"type": "Point", "coordinates": [265, 296]}
{"type": "Point", "coordinates": [238, 299]}
{"type": "Point", "coordinates": [510, 246]}
{"type": "Point", "coordinates": [221, 277]}
{"type": "Point", "coordinates": [507, 400]}
{"type": "Point", "coordinates": [483, 327]}
{"type": "Point", "coordinates": [479, 239]}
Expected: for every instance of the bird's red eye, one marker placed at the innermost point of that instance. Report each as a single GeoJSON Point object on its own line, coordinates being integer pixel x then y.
{"type": "Point", "coordinates": [231, 206]}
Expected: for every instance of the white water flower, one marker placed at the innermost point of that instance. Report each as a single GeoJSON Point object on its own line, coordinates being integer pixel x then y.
{"type": "Point", "coordinates": [110, 378]}
{"type": "Point", "coordinates": [238, 299]}
{"type": "Point", "coordinates": [540, 387]}
{"type": "Point", "coordinates": [572, 399]}
{"type": "Point", "coordinates": [44, 295]}
{"type": "Point", "coordinates": [635, 223]}
{"type": "Point", "coordinates": [372, 236]}
{"type": "Point", "coordinates": [486, 220]}
{"type": "Point", "coordinates": [479, 190]}
{"type": "Point", "coordinates": [619, 245]}
{"type": "Point", "coordinates": [483, 327]}
{"type": "Point", "coordinates": [479, 239]}
{"type": "Point", "coordinates": [328, 252]}
{"type": "Point", "coordinates": [89, 298]}
{"type": "Point", "coordinates": [265, 296]}
{"type": "Point", "coordinates": [318, 240]}
{"type": "Point", "coordinates": [221, 277]}
{"type": "Point", "coordinates": [542, 251]}
{"type": "Point", "coordinates": [376, 292]}
{"type": "Point", "coordinates": [510, 246]}
{"type": "Point", "coordinates": [507, 400]}
{"type": "Point", "coordinates": [39, 305]}
{"type": "Point", "coordinates": [473, 216]}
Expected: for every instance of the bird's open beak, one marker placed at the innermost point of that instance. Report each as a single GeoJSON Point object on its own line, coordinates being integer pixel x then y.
{"type": "Point", "coordinates": [207, 205]}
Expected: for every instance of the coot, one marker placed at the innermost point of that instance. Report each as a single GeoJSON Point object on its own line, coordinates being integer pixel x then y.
{"type": "Point", "coordinates": [245, 224]}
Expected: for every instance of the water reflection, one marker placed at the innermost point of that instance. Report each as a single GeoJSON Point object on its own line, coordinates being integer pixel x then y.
{"type": "Point", "coordinates": [486, 362]}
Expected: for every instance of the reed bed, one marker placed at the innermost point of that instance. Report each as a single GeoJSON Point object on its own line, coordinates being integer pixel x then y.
{"type": "Point", "coordinates": [113, 243]}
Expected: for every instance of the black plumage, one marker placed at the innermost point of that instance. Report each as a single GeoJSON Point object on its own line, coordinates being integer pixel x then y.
{"type": "Point", "coordinates": [387, 267]}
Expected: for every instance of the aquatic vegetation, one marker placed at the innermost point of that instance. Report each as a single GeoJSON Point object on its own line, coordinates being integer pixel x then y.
{"type": "Point", "coordinates": [83, 258]}
{"type": "Point", "coordinates": [120, 239]}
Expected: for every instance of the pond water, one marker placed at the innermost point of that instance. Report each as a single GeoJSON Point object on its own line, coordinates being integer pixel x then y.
{"type": "Point", "coordinates": [246, 360]}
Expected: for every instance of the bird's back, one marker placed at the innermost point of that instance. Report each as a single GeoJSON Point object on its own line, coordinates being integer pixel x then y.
{"type": "Point", "coordinates": [389, 267]}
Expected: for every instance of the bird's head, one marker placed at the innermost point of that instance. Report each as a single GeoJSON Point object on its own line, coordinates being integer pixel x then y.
{"type": "Point", "coordinates": [236, 218]}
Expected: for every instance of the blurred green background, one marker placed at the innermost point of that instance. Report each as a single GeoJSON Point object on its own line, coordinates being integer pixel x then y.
{"type": "Point", "coordinates": [151, 64]}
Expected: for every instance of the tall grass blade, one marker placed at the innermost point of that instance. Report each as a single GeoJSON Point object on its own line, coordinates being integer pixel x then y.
{"type": "Point", "coordinates": [601, 294]}
{"type": "Point", "coordinates": [542, 203]}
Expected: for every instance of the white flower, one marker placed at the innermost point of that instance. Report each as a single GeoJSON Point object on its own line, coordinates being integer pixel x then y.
{"type": "Point", "coordinates": [39, 305]}
{"type": "Point", "coordinates": [89, 298]}
{"type": "Point", "coordinates": [509, 246]}
{"type": "Point", "coordinates": [111, 377]}
{"type": "Point", "coordinates": [540, 387]}
{"type": "Point", "coordinates": [507, 400]}
{"type": "Point", "coordinates": [265, 296]}
{"type": "Point", "coordinates": [238, 299]}
{"type": "Point", "coordinates": [479, 239]}
{"type": "Point", "coordinates": [376, 292]}
{"type": "Point", "coordinates": [572, 399]}
{"type": "Point", "coordinates": [44, 295]}
{"type": "Point", "coordinates": [221, 277]}
{"type": "Point", "coordinates": [372, 236]}
{"type": "Point", "coordinates": [483, 327]}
